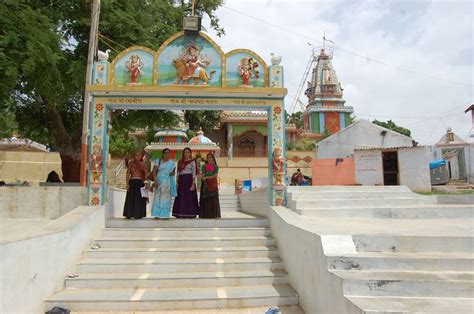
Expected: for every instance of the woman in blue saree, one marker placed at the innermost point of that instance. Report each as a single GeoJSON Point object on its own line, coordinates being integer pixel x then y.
{"type": "Point", "coordinates": [164, 186]}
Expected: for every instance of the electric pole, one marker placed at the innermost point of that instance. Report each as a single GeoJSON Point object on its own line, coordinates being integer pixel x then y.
{"type": "Point", "coordinates": [95, 12]}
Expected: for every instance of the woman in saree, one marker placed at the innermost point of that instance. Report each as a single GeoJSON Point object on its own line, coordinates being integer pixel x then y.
{"type": "Point", "coordinates": [186, 203]}
{"type": "Point", "coordinates": [164, 186]}
{"type": "Point", "coordinates": [135, 204]}
{"type": "Point", "coordinates": [209, 204]}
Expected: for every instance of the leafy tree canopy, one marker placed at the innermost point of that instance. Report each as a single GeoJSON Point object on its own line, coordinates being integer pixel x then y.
{"type": "Point", "coordinates": [43, 55]}
{"type": "Point", "coordinates": [393, 126]}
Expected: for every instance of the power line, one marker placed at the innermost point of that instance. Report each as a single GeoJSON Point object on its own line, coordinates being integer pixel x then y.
{"type": "Point", "coordinates": [114, 42]}
{"type": "Point", "coordinates": [348, 51]}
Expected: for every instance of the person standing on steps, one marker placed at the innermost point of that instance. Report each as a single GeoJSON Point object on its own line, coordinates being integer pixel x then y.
{"type": "Point", "coordinates": [135, 203]}
{"type": "Point", "coordinates": [209, 205]}
{"type": "Point", "coordinates": [186, 203]}
{"type": "Point", "coordinates": [164, 186]}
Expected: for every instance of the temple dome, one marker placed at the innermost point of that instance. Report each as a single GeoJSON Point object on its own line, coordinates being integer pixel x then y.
{"type": "Point", "coordinates": [200, 139]}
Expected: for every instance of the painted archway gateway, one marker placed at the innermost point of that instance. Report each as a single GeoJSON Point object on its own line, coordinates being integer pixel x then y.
{"type": "Point", "coordinates": [188, 72]}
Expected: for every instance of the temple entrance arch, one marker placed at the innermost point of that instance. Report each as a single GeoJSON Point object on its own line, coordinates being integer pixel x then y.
{"type": "Point", "coordinates": [188, 72]}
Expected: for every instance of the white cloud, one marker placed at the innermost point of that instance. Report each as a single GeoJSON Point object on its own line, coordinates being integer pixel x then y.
{"type": "Point", "coordinates": [415, 40]}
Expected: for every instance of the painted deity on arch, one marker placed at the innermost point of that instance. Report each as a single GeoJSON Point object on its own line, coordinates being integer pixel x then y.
{"type": "Point", "coordinates": [248, 68]}
{"type": "Point", "coordinates": [96, 164]}
{"type": "Point", "coordinates": [278, 163]}
{"type": "Point", "coordinates": [191, 66]}
{"type": "Point", "coordinates": [134, 67]}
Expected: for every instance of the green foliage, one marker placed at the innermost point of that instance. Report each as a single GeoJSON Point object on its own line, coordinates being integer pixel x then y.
{"type": "Point", "coordinates": [43, 55]}
{"type": "Point", "coordinates": [120, 144]}
{"type": "Point", "coordinates": [296, 119]}
{"type": "Point", "coordinates": [306, 144]}
{"type": "Point", "coordinates": [7, 122]}
{"type": "Point", "coordinates": [207, 120]}
{"type": "Point", "coordinates": [394, 127]}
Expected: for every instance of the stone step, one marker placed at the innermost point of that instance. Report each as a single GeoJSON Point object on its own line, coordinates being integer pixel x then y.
{"type": "Point", "coordinates": [379, 305]}
{"type": "Point", "coordinates": [175, 279]}
{"type": "Point", "coordinates": [410, 243]}
{"type": "Point", "coordinates": [407, 283]}
{"type": "Point", "coordinates": [339, 188]}
{"type": "Point", "coordinates": [356, 202]}
{"type": "Point", "coordinates": [408, 212]}
{"type": "Point", "coordinates": [172, 298]}
{"type": "Point", "coordinates": [350, 195]}
{"type": "Point", "coordinates": [161, 242]}
{"type": "Point", "coordinates": [184, 223]}
{"type": "Point", "coordinates": [184, 232]}
{"type": "Point", "coordinates": [286, 309]}
{"type": "Point", "coordinates": [189, 252]}
{"type": "Point", "coordinates": [402, 261]}
{"type": "Point", "coordinates": [178, 265]}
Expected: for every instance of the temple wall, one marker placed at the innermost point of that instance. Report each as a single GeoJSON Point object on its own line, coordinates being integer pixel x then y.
{"type": "Point", "coordinates": [48, 202]}
{"type": "Point", "coordinates": [32, 167]}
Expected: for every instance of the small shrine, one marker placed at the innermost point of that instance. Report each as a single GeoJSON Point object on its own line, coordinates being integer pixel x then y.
{"type": "Point", "coordinates": [177, 140]}
{"type": "Point", "coordinates": [325, 112]}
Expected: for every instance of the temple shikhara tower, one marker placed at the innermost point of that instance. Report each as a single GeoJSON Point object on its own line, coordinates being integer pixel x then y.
{"type": "Point", "coordinates": [325, 112]}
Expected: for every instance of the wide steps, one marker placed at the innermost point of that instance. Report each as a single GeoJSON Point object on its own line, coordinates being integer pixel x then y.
{"type": "Point", "coordinates": [379, 304]}
{"type": "Point", "coordinates": [355, 202]}
{"type": "Point", "coordinates": [172, 298]}
{"type": "Point", "coordinates": [162, 242]}
{"type": "Point", "coordinates": [402, 261]}
{"type": "Point", "coordinates": [394, 212]}
{"type": "Point", "coordinates": [407, 283]}
{"type": "Point", "coordinates": [178, 265]}
{"type": "Point", "coordinates": [187, 223]}
{"type": "Point", "coordinates": [184, 252]}
{"type": "Point", "coordinates": [412, 243]}
{"type": "Point", "coordinates": [184, 232]}
{"type": "Point", "coordinates": [177, 279]}
{"type": "Point", "coordinates": [349, 195]}
{"type": "Point", "coordinates": [342, 188]}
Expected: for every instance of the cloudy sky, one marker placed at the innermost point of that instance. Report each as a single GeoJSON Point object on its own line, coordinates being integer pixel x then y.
{"type": "Point", "coordinates": [409, 61]}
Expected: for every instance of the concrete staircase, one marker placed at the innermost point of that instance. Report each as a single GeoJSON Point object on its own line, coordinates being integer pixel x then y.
{"type": "Point", "coordinates": [393, 250]}
{"type": "Point", "coordinates": [179, 264]}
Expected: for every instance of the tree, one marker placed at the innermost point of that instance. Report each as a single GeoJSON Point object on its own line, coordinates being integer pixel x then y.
{"type": "Point", "coordinates": [43, 51]}
{"type": "Point", "coordinates": [296, 119]}
{"type": "Point", "coordinates": [394, 127]}
{"type": "Point", "coordinates": [205, 120]}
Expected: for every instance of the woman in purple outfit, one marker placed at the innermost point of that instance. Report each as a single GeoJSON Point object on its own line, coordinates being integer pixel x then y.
{"type": "Point", "coordinates": [186, 203]}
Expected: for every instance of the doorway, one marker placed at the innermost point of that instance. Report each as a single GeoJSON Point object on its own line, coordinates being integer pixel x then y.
{"type": "Point", "coordinates": [390, 168]}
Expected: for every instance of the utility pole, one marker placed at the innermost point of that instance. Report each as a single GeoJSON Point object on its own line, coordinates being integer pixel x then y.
{"type": "Point", "coordinates": [95, 12]}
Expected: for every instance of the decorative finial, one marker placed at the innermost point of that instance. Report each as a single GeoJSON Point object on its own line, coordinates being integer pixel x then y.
{"type": "Point", "coordinates": [103, 56]}
{"type": "Point", "coordinates": [275, 59]}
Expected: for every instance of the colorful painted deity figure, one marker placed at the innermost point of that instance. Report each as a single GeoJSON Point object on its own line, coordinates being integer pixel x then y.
{"type": "Point", "coordinates": [96, 164]}
{"type": "Point", "coordinates": [134, 67]}
{"type": "Point", "coordinates": [278, 166]}
{"type": "Point", "coordinates": [191, 66]}
{"type": "Point", "coordinates": [248, 68]}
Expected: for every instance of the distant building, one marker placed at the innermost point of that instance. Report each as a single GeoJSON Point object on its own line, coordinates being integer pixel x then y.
{"type": "Point", "coordinates": [325, 112]}
{"type": "Point", "coordinates": [360, 134]}
{"type": "Point", "coordinates": [459, 155]}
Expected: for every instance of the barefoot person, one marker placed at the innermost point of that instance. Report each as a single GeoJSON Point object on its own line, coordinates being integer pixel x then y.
{"type": "Point", "coordinates": [135, 204]}
{"type": "Point", "coordinates": [186, 203]}
{"type": "Point", "coordinates": [209, 205]}
{"type": "Point", "coordinates": [164, 186]}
